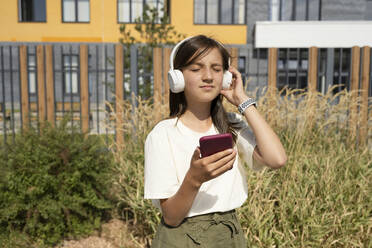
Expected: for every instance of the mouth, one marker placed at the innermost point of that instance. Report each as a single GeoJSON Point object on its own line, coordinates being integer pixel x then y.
{"type": "Point", "coordinates": [207, 87]}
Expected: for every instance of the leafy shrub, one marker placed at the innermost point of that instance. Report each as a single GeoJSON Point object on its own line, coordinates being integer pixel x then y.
{"type": "Point", "coordinates": [54, 184]}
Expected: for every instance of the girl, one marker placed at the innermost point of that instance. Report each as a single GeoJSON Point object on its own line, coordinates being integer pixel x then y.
{"type": "Point", "coordinates": [198, 196]}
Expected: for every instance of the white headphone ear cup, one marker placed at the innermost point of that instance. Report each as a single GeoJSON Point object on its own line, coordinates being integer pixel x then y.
{"type": "Point", "coordinates": [176, 81]}
{"type": "Point", "coordinates": [227, 80]}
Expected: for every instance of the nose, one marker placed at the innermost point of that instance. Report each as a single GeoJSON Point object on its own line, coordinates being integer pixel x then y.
{"type": "Point", "coordinates": [207, 75]}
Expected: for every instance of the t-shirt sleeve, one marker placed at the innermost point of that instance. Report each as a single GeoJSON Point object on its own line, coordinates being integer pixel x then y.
{"type": "Point", "coordinates": [160, 172]}
{"type": "Point", "coordinates": [246, 142]}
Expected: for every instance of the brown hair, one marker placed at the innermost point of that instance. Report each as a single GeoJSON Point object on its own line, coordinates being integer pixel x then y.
{"type": "Point", "coordinates": [187, 53]}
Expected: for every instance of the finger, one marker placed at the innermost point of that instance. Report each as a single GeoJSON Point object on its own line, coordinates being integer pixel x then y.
{"type": "Point", "coordinates": [222, 169]}
{"type": "Point", "coordinates": [196, 154]}
{"type": "Point", "coordinates": [221, 162]}
{"type": "Point", "coordinates": [235, 72]}
{"type": "Point", "coordinates": [217, 156]}
{"type": "Point", "coordinates": [226, 93]}
{"type": "Point", "coordinates": [237, 77]}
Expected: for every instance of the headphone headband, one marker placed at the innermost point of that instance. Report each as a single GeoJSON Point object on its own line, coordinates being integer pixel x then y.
{"type": "Point", "coordinates": [175, 49]}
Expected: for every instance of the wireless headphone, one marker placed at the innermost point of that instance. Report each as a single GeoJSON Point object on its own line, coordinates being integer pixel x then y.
{"type": "Point", "coordinates": [176, 79]}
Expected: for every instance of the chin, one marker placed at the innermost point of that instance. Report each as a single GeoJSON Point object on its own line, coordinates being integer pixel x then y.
{"type": "Point", "coordinates": [207, 99]}
{"type": "Point", "coordinates": [203, 96]}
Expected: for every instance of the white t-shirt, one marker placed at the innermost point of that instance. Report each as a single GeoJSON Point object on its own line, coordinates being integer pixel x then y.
{"type": "Point", "coordinates": [168, 151]}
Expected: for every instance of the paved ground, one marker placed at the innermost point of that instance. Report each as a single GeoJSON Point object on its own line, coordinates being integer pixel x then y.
{"type": "Point", "coordinates": [114, 234]}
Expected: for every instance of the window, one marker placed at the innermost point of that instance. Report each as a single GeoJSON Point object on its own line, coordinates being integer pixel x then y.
{"type": "Point", "coordinates": [75, 10]}
{"type": "Point", "coordinates": [129, 10]}
{"type": "Point", "coordinates": [220, 12]}
{"type": "Point", "coordinates": [70, 74]}
{"type": "Point", "coordinates": [295, 10]}
{"type": "Point", "coordinates": [32, 73]}
{"type": "Point", "coordinates": [292, 68]}
{"type": "Point", "coordinates": [31, 11]}
{"type": "Point", "coordinates": [342, 68]}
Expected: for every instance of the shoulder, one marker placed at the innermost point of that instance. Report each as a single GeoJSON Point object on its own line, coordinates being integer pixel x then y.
{"type": "Point", "coordinates": [162, 127]}
{"type": "Point", "coordinates": [165, 125]}
{"type": "Point", "coordinates": [157, 142]}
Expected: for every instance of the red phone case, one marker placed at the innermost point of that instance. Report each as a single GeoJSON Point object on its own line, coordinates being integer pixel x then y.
{"type": "Point", "coordinates": [215, 143]}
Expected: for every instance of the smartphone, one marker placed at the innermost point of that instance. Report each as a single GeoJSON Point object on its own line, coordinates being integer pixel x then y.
{"type": "Point", "coordinates": [212, 144]}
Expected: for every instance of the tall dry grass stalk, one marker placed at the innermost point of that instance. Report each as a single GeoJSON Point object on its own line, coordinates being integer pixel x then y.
{"type": "Point", "coordinates": [129, 156]}
{"type": "Point", "coordinates": [321, 198]}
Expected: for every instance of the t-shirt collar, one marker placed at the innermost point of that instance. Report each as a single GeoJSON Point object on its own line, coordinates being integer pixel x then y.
{"type": "Point", "coordinates": [187, 131]}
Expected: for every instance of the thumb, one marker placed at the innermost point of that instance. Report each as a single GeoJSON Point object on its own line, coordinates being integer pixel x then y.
{"type": "Point", "coordinates": [196, 154]}
{"type": "Point", "coordinates": [223, 92]}
{"type": "Point", "coordinates": [227, 94]}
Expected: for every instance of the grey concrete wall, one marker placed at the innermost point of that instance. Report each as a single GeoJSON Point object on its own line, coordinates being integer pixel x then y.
{"type": "Point", "coordinates": [368, 13]}
{"type": "Point", "coordinates": [343, 10]}
{"type": "Point", "coordinates": [257, 10]}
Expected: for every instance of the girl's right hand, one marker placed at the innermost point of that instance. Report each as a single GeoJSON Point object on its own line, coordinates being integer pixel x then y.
{"type": "Point", "coordinates": [207, 168]}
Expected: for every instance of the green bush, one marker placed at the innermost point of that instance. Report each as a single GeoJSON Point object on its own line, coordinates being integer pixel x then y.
{"type": "Point", "coordinates": [54, 184]}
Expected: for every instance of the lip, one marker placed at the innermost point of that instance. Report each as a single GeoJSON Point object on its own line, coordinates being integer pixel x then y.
{"type": "Point", "coordinates": [207, 87]}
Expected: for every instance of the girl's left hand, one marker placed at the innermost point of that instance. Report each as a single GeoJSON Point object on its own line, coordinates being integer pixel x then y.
{"type": "Point", "coordinates": [236, 94]}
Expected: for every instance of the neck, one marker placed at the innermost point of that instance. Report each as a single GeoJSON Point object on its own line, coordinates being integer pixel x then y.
{"type": "Point", "coordinates": [198, 116]}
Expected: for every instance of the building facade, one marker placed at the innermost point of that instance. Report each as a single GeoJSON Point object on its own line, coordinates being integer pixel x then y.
{"type": "Point", "coordinates": [231, 21]}
{"type": "Point", "coordinates": [100, 20]}
{"type": "Point", "coordinates": [66, 23]}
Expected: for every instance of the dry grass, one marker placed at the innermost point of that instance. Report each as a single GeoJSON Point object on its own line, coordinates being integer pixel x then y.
{"type": "Point", "coordinates": [322, 198]}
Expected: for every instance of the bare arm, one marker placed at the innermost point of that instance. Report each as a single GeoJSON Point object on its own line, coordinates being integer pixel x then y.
{"type": "Point", "coordinates": [269, 149]}
{"type": "Point", "coordinates": [201, 170]}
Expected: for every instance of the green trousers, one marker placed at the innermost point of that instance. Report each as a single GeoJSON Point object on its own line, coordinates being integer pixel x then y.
{"type": "Point", "coordinates": [209, 230]}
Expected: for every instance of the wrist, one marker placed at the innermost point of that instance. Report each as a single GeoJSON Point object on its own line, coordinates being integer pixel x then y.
{"type": "Point", "coordinates": [248, 103]}
{"type": "Point", "coordinates": [241, 99]}
{"type": "Point", "coordinates": [193, 182]}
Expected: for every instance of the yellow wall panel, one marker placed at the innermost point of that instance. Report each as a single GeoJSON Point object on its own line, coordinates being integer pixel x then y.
{"type": "Point", "coordinates": [103, 26]}
{"type": "Point", "coordinates": [182, 14]}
